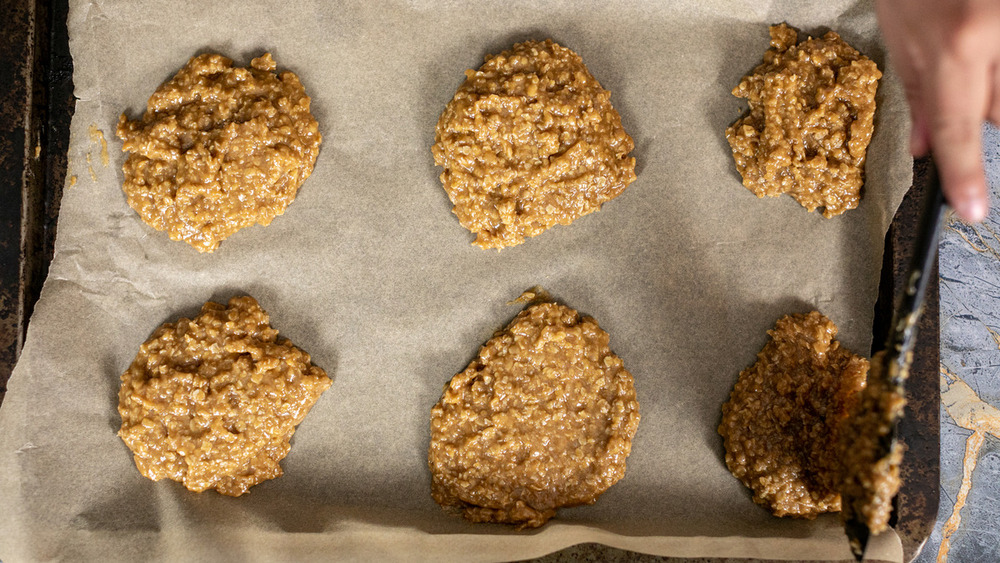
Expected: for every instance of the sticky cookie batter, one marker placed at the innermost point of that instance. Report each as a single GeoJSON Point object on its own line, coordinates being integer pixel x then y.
{"type": "Point", "coordinates": [542, 418]}
{"type": "Point", "coordinates": [812, 108]}
{"type": "Point", "coordinates": [213, 402]}
{"type": "Point", "coordinates": [530, 140]}
{"type": "Point", "coordinates": [781, 424]}
{"type": "Point", "coordinates": [870, 475]}
{"type": "Point", "coordinates": [218, 149]}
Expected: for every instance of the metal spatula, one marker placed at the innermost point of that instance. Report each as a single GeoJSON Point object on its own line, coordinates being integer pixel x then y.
{"type": "Point", "coordinates": [897, 357]}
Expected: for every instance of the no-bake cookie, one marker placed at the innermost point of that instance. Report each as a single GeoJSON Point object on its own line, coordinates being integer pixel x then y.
{"type": "Point", "coordinates": [213, 402]}
{"type": "Point", "coordinates": [542, 418]}
{"type": "Point", "coordinates": [219, 148]}
{"type": "Point", "coordinates": [529, 141]}
{"type": "Point", "coordinates": [812, 109]}
{"type": "Point", "coordinates": [781, 425]}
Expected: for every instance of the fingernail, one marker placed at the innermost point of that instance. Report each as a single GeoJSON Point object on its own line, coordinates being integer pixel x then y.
{"type": "Point", "coordinates": [971, 210]}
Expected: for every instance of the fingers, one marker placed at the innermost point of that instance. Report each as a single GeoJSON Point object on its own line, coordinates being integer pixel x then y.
{"type": "Point", "coordinates": [957, 96]}
{"type": "Point", "coordinates": [912, 85]}
{"type": "Point", "coordinates": [920, 141]}
{"type": "Point", "coordinates": [910, 74]}
{"type": "Point", "coordinates": [994, 114]}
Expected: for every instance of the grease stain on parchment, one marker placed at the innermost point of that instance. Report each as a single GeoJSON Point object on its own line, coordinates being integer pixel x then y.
{"type": "Point", "coordinates": [97, 136]}
{"type": "Point", "coordinates": [97, 139]}
{"type": "Point", "coordinates": [90, 167]}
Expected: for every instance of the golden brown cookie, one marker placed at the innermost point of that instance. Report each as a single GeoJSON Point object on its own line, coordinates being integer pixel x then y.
{"type": "Point", "coordinates": [542, 418]}
{"type": "Point", "coordinates": [213, 402]}
{"type": "Point", "coordinates": [218, 149]}
{"type": "Point", "coordinates": [781, 423]}
{"type": "Point", "coordinates": [812, 108]}
{"type": "Point", "coordinates": [530, 140]}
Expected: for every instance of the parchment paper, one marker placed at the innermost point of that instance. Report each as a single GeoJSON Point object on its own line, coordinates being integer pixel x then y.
{"type": "Point", "coordinates": [371, 273]}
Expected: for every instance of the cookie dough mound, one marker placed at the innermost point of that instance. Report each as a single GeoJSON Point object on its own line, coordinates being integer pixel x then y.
{"type": "Point", "coordinates": [781, 422]}
{"type": "Point", "coordinates": [542, 418]}
{"type": "Point", "coordinates": [213, 402]}
{"type": "Point", "coordinates": [812, 107]}
{"type": "Point", "coordinates": [870, 473]}
{"type": "Point", "coordinates": [218, 149]}
{"type": "Point", "coordinates": [530, 140]}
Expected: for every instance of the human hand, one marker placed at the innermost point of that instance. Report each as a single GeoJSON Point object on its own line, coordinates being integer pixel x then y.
{"type": "Point", "coordinates": [948, 54]}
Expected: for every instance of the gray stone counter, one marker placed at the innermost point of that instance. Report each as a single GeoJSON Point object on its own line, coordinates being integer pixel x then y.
{"type": "Point", "coordinates": [968, 525]}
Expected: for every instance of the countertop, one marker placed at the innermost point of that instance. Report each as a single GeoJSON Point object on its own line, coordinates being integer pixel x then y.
{"type": "Point", "coordinates": [967, 529]}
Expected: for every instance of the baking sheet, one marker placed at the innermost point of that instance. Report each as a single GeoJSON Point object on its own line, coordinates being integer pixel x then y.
{"type": "Point", "coordinates": [370, 272]}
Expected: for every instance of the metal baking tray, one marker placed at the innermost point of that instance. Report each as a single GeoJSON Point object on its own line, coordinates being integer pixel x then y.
{"type": "Point", "coordinates": [34, 137]}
